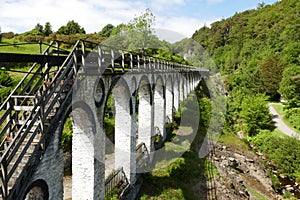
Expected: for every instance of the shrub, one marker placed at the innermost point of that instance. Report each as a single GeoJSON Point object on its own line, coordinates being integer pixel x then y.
{"type": "Point", "coordinates": [5, 79]}
{"type": "Point", "coordinates": [275, 182]}
{"type": "Point", "coordinates": [176, 168]}
{"type": "Point", "coordinates": [283, 151]}
{"type": "Point", "coordinates": [255, 114]}
{"type": "Point", "coordinates": [293, 116]}
{"type": "Point", "coordinates": [8, 35]}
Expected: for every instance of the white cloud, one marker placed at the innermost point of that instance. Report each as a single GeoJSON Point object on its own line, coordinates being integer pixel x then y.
{"type": "Point", "coordinates": [20, 16]}
{"type": "Point", "coordinates": [182, 25]}
{"type": "Point", "coordinates": [165, 4]}
{"type": "Point", "coordinates": [93, 15]}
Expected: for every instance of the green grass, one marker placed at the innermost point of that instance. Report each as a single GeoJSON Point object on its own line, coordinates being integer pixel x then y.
{"type": "Point", "coordinates": [177, 178]}
{"type": "Point", "coordinates": [176, 181]}
{"type": "Point", "coordinates": [25, 49]}
{"type": "Point", "coordinates": [258, 195]}
{"type": "Point", "coordinates": [279, 107]}
{"type": "Point", "coordinates": [232, 139]}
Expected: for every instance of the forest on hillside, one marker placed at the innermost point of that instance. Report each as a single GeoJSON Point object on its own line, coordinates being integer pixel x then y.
{"type": "Point", "coordinates": [258, 54]}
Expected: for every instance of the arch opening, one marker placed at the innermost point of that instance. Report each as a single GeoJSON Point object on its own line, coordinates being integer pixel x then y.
{"type": "Point", "coordinates": [38, 190]}
{"type": "Point", "coordinates": [159, 113]}
{"type": "Point", "coordinates": [144, 115]}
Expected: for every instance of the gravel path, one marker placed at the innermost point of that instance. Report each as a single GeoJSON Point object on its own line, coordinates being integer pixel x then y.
{"type": "Point", "coordinates": [279, 123]}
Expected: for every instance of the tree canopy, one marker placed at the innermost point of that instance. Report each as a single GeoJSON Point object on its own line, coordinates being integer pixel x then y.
{"type": "Point", "coordinates": [72, 27]}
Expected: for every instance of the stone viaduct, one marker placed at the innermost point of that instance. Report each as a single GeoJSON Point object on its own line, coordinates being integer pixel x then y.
{"type": "Point", "coordinates": [146, 93]}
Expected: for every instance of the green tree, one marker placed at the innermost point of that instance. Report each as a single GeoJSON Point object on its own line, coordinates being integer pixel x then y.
{"type": "Point", "coordinates": [72, 27]}
{"type": "Point", "coordinates": [290, 85]}
{"type": "Point", "coordinates": [47, 29]}
{"type": "Point", "coordinates": [136, 35]}
{"type": "Point", "coordinates": [106, 30]}
{"type": "Point", "coordinates": [39, 28]}
{"type": "Point", "coordinates": [255, 114]}
{"type": "Point", "coordinates": [270, 70]}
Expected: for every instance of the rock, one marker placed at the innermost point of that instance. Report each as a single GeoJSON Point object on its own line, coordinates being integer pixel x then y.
{"type": "Point", "coordinates": [225, 163]}
{"type": "Point", "coordinates": [216, 158]}
{"type": "Point", "coordinates": [234, 163]}
{"type": "Point", "coordinates": [223, 157]}
{"type": "Point", "coordinates": [290, 188]}
{"type": "Point", "coordinates": [239, 180]}
{"type": "Point", "coordinates": [224, 147]}
{"type": "Point", "coordinates": [243, 168]}
{"type": "Point", "coordinates": [281, 176]}
{"type": "Point", "coordinates": [231, 159]}
{"type": "Point", "coordinates": [249, 160]}
{"type": "Point", "coordinates": [287, 186]}
{"type": "Point", "coordinates": [232, 186]}
{"type": "Point", "coordinates": [296, 184]}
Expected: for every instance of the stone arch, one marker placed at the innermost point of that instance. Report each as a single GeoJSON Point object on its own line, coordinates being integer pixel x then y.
{"type": "Point", "coordinates": [124, 134]}
{"type": "Point", "coordinates": [145, 114]}
{"type": "Point", "coordinates": [84, 150]}
{"type": "Point", "coordinates": [176, 92]}
{"type": "Point", "coordinates": [159, 108]}
{"type": "Point", "coordinates": [169, 98]}
{"type": "Point", "coordinates": [99, 92]}
{"type": "Point", "coordinates": [38, 190]}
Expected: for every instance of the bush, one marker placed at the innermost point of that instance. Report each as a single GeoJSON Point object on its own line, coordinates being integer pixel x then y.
{"type": "Point", "coordinates": [5, 79]}
{"type": "Point", "coordinates": [255, 114]}
{"type": "Point", "coordinates": [283, 151]}
{"type": "Point", "coordinates": [4, 92]}
{"type": "Point", "coordinates": [176, 168]}
{"type": "Point", "coordinates": [275, 182]}
{"type": "Point", "coordinates": [293, 116]}
{"type": "Point", "coordinates": [8, 35]}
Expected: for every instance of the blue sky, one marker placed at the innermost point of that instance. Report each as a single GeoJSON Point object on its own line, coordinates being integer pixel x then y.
{"type": "Point", "coordinates": [181, 16]}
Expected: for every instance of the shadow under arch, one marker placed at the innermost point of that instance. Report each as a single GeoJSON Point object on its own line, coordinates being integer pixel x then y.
{"type": "Point", "coordinates": [81, 109]}
{"type": "Point", "coordinates": [37, 190]}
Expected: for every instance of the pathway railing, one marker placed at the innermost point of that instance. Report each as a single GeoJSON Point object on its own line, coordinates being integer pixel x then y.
{"type": "Point", "coordinates": [26, 118]}
{"type": "Point", "coordinates": [142, 156]}
{"type": "Point", "coordinates": [116, 180]}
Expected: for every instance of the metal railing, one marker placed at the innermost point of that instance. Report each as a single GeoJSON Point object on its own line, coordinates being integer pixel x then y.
{"type": "Point", "coordinates": [142, 156]}
{"type": "Point", "coordinates": [25, 111]}
{"type": "Point", "coordinates": [117, 179]}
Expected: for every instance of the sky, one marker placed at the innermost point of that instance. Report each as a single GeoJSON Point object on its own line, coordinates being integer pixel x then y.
{"type": "Point", "coordinates": [181, 16]}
